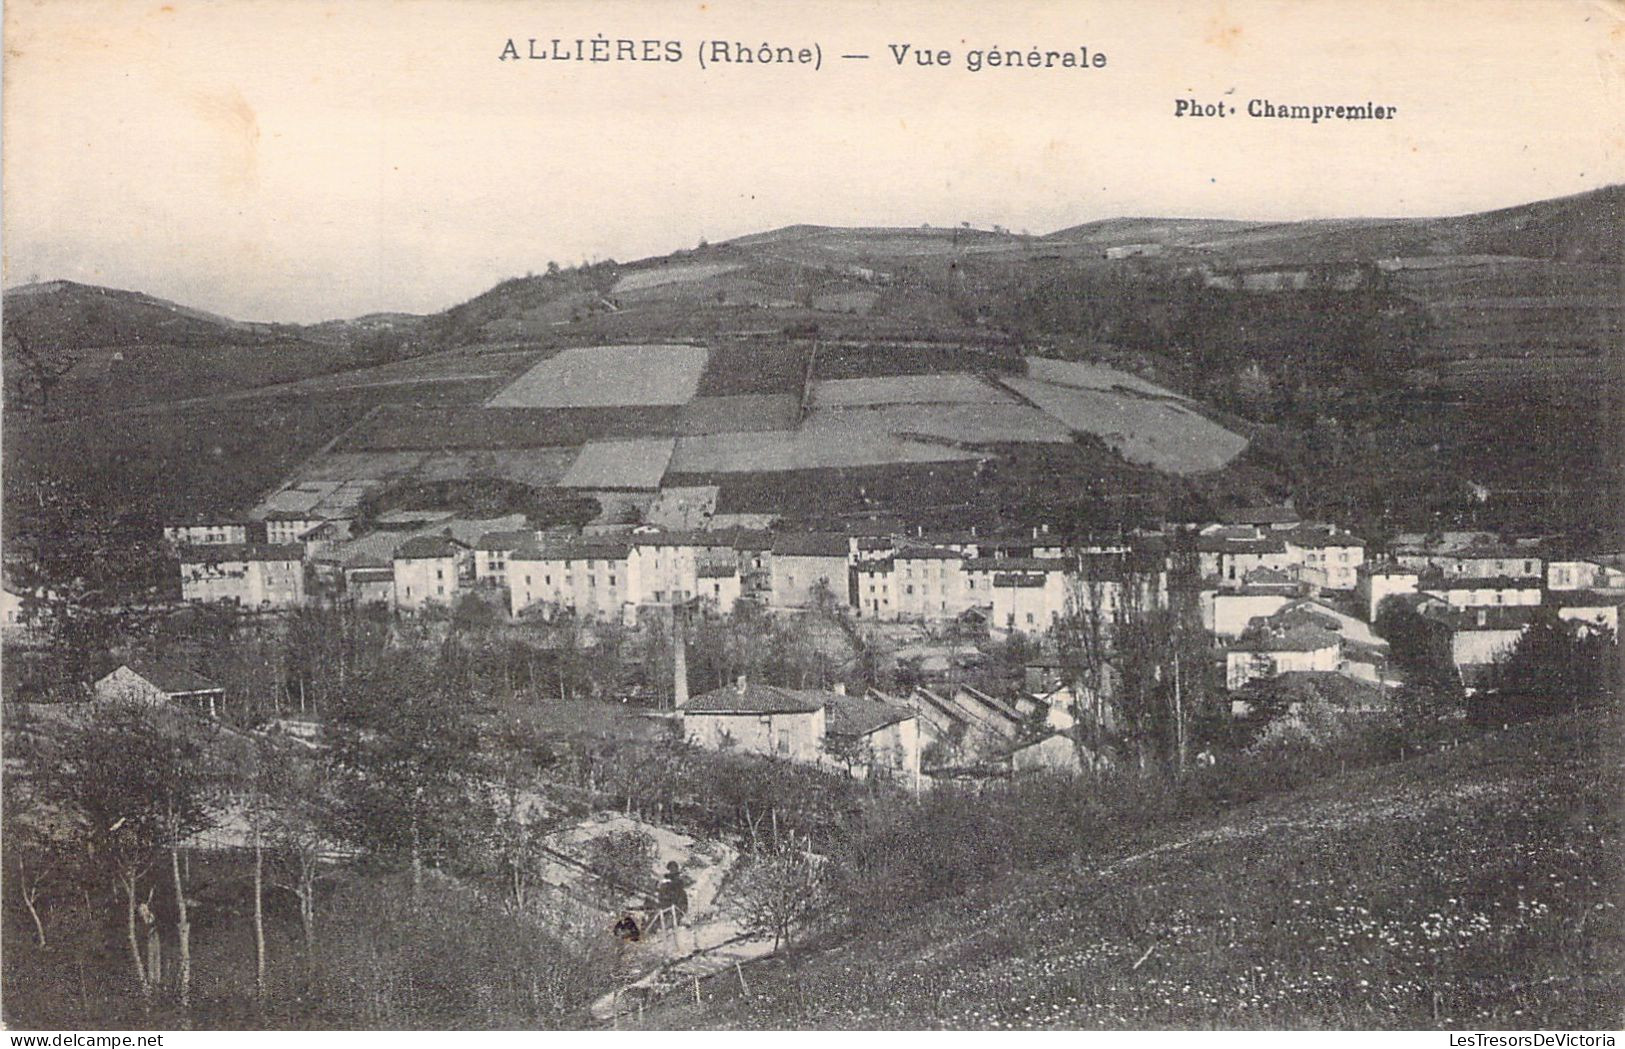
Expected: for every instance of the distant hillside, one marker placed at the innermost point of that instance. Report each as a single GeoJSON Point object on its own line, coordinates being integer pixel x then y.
{"type": "Point", "coordinates": [101, 349]}
{"type": "Point", "coordinates": [1588, 227]}
{"type": "Point", "coordinates": [74, 316]}
{"type": "Point", "coordinates": [1474, 888]}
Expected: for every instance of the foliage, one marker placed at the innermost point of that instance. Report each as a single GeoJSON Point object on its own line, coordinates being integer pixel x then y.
{"type": "Point", "coordinates": [1557, 665]}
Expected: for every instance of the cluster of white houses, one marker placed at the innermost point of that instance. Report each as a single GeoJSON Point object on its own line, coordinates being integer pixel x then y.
{"type": "Point", "coordinates": [1281, 598]}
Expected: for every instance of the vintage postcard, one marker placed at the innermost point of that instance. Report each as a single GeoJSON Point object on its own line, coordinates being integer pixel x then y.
{"type": "Point", "coordinates": [636, 516]}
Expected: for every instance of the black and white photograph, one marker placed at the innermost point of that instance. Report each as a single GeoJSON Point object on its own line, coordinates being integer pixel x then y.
{"type": "Point", "coordinates": [627, 517]}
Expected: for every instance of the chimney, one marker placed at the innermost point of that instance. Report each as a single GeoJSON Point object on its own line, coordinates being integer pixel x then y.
{"type": "Point", "coordinates": [840, 688]}
{"type": "Point", "coordinates": [739, 684]}
{"type": "Point", "coordinates": [679, 661]}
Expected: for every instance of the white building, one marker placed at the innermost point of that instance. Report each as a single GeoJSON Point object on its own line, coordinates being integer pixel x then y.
{"type": "Point", "coordinates": [252, 576]}
{"type": "Point", "coordinates": [429, 571]}
{"type": "Point", "coordinates": [1379, 581]}
{"type": "Point", "coordinates": [591, 577]}
{"type": "Point", "coordinates": [1325, 556]}
{"type": "Point", "coordinates": [289, 526]}
{"type": "Point", "coordinates": [207, 531]}
{"type": "Point", "coordinates": [491, 554]}
{"type": "Point", "coordinates": [803, 565]}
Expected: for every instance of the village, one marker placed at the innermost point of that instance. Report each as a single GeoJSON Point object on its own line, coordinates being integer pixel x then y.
{"type": "Point", "coordinates": [1284, 604]}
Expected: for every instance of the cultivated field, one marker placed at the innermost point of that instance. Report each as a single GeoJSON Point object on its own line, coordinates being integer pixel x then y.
{"type": "Point", "coordinates": [680, 273]}
{"type": "Point", "coordinates": [1154, 432]}
{"type": "Point", "coordinates": [331, 483]}
{"type": "Point", "coordinates": [620, 464]}
{"type": "Point", "coordinates": [826, 440]}
{"type": "Point", "coordinates": [740, 412]}
{"type": "Point", "coordinates": [402, 427]}
{"type": "Point", "coordinates": [967, 425]}
{"type": "Point", "coordinates": [608, 377]}
{"type": "Point", "coordinates": [948, 388]}
{"type": "Point", "coordinates": [754, 368]}
{"type": "Point", "coordinates": [1086, 376]}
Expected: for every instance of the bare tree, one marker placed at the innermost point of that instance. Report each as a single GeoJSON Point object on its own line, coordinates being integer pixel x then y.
{"type": "Point", "coordinates": [782, 889]}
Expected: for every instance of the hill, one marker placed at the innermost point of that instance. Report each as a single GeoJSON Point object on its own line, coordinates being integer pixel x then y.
{"type": "Point", "coordinates": [1376, 366]}
{"type": "Point", "coordinates": [1478, 887]}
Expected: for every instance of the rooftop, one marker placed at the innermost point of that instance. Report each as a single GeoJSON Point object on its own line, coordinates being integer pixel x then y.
{"type": "Point", "coordinates": [427, 546]}
{"type": "Point", "coordinates": [171, 678]}
{"type": "Point", "coordinates": [850, 716]}
{"type": "Point", "coordinates": [810, 544]}
{"type": "Point", "coordinates": [751, 698]}
{"type": "Point", "coordinates": [222, 553]}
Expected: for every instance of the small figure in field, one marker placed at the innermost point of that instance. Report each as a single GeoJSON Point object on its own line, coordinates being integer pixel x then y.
{"type": "Point", "coordinates": [673, 891]}
{"type": "Point", "coordinates": [627, 929]}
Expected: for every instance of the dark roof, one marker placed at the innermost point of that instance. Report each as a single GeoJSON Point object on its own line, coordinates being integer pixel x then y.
{"type": "Point", "coordinates": [850, 716]}
{"type": "Point", "coordinates": [1484, 617]}
{"type": "Point", "coordinates": [1436, 580]}
{"type": "Point", "coordinates": [1019, 564]}
{"type": "Point", "coordinates": [716, 571]}
{"type": "Point", "coordinates": [425, 546]}
{"type": "Point", "coordinates": [505, 540]}
{"type": "Point", "coordinates": [757, 699]}
{"type": "Point", "coordinates": [219, 553]}
{"type": "Point", "coordinates": [1007, 580]}
{"type": "Point", "coordinates": [590, 548]}
{"type": "Point", "coordinates": [1259, 515]}
{"type": "Point", "coordinates": [1211, 545]}
{"type": "Point", "coordinates": [927, 553]}
{"type": "Point", "coordinates": [1310, 536]}
{"type": "Point", "coordinates": [1587, 599]}
{"type": "Point", "coordinates": [369, 575]}
{"type": "Point", "coordinates": [171, 678]}
{"type": "Point", "coordinates": [810, 544]}
{"type": "Point", "coordinates": [1303, 638]}
{"type": "Point", "coordinates": [292, 515]}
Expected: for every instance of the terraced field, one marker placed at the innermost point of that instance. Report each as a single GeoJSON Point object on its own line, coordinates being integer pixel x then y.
{"type": "Point", "coordinates": [948, 388]}
{"type": "Point", "coordinates": [608, 377]}
{"type": "Point", "coordinates": [1141, 421]}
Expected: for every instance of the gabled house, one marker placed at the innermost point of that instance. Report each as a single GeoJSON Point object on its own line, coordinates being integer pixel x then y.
{"type": "Point", "coordinates": [1326, 557]}
{"type": "Point", "coordinates": [153, 683]}
{"type": "Point", "coordinates": [1475, 591]}
{"type": "Point", "coordinates": [590, 577]}
{"type": "Point", "coordinates": [1584, 575]}
{"type": "Point", "coordinates": [1379, 580]}
{"type": "Point", "coordinates": [759, 719]}
{"type": "Point", "coordinates": [872, 737]}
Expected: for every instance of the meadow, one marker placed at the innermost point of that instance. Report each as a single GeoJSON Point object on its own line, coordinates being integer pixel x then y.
{"type": "Point", "coordinates": [1473, 888]}
{"type": "Point", "coordinates": [1155, 432]}
{"type": "Point", "coordinates": [608, 377]}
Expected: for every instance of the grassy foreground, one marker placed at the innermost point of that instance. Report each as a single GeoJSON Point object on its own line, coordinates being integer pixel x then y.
{"type": "Point", "coordinates": [1474, 888]}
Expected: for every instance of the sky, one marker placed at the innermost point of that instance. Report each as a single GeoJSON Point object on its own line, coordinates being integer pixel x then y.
{"type": "Point", "coordinates": [295, 160]}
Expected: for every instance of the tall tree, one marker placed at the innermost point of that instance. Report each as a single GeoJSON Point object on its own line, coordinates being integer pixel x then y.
{"type": "Point", "coordinates": [137, 777]}
{"type": "Point", "coordinates": [408, 753]}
